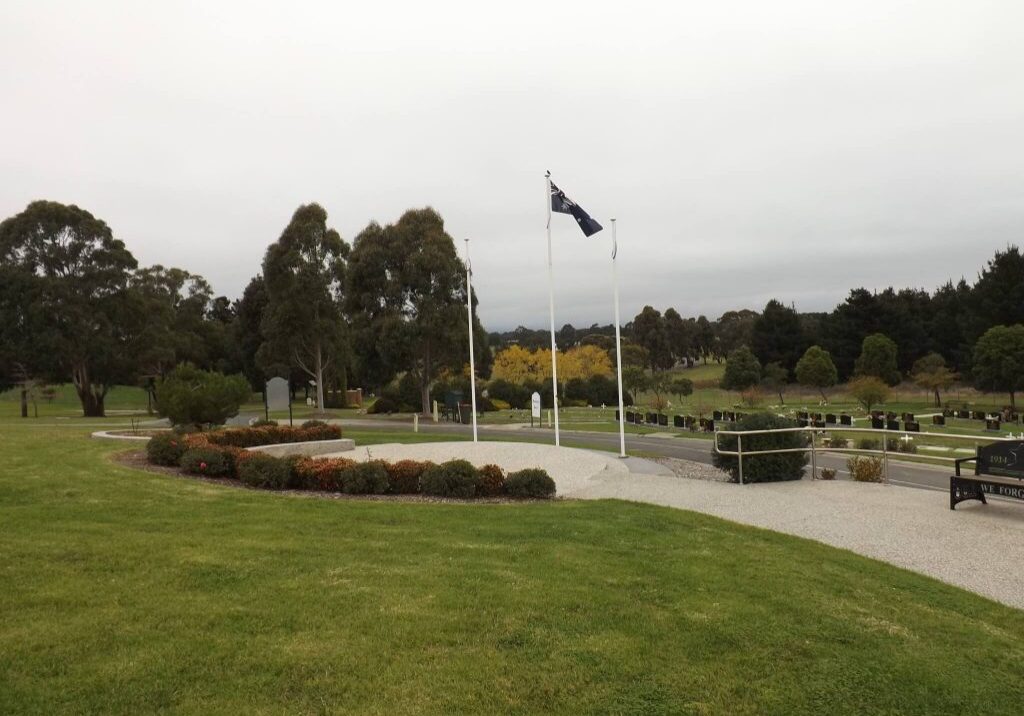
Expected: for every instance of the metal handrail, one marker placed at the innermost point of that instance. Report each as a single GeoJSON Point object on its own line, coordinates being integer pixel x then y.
{"type": "Point", "coordinates": [739, 453]}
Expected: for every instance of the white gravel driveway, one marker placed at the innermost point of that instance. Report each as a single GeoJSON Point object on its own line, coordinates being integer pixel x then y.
{"type": "Point", "coordinates": [977, 547]}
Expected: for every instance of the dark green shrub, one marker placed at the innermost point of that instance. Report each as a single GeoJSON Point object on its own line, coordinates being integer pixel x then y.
{"type": "Point", "coordinates": [262, 423]}
{"type": "Point", "coordinates": [868, 444]}
{"type": "Point", "coordinates": [530, 483]}
{"type": "Point", "coordinates": [837, 441]}
{"type": "Point", "coordinates": [404, 476]}
{"type": "Point", "coordinates": [828, 473]}
{"type": "Point", "coordinates": [271, 435]}
{"type": "Point", "coordinates": [165, 449]}
{"type": "Point", "coordinates": [260, 470]}
{"type": "Point", "coordinates": [190, 396]}
{"type": "Point", "coordinates": [313, 424]}
{"type": "Point", "coordinates": [491, 481]}
{"type": "Point", "coordinates": [764, 468]}
{"type": "Point", "coordinates": [455, 478]}
{"type": "Point", "coordinates": [365, 478]}
{"type": "Point", "coordinates": [383, 406]}
{"type": "Point", "coordinates": [209, 461]}
{"type": "Point", "coordinates": [517, 396]}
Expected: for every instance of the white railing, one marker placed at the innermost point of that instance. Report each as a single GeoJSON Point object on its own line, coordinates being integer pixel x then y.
{"type": "Point", "coordinates": [739, 452]}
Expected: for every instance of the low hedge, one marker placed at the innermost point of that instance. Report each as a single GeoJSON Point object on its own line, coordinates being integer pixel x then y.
{"type": "Point", "coordinates": [455, 478]}
{"type": "Point", "coordinates": [265, 471]}
{"type": "Point", "coordinates": [365, 478]}
{"type": "Point", "coordinates": [207, 461]}
{"type": "Point", "coordinates": [532, 482]}
{"type": "Point", "coordinates": [166, 449]}
{"type": "Point", "coordinates": [271, 435]}
{"type": "Point", "coordinates": [404, 476]}
{"type": "Point", "coordinates": [490, 481]}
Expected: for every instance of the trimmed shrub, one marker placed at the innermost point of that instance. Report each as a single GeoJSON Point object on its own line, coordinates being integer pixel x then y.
{"type": "Point", "coordinates": [516, 396]}
{"type": "Point", "coordinates": [270, 435]}
{"type": "Point", "coordinates": [404, 476]}
{"type": "Point", "coordinates": [868, 444]}
{"type": "Point", "coordinates": [897, 445]}
{"type": "Point", "coordinates": [365, 478]}
{"type": "Point", "coordinates": [260, 470]}
{"type": "Point", "coordinates": [865, 468]}
{"type": "Point", "coordinates": [320, 474]}
{"type": "Point", "coordinates": [764, 468]}
{"type": "Point", "coordinates": [828, 473]}
{"type": "Point", "coordinates": [262, 423]}
{"type": "Point", "coordinates": [837, 441]}
{"type": "Point", "coordinates": [206, 461]}
{"type": "Point", "coordinates": [530, 483]}
{"type": "Point", "coordinates": [190, 396]}
{"type": "Point", "coordinates": [165, 449]}
{"type": "Point", "coordinates": [312, 424]}
{"type": "Point", "coordinates": [383, 405]}
{"type": "Point", "coordinates": [455, 478]}
{"type": "Point", "coordinates": [500, 404]}
{"type": "Point", "coordinates": [491, 481]}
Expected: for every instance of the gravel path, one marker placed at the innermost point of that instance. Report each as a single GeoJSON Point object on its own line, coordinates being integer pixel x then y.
{"type": "Point", "coordinates": [977, 547]}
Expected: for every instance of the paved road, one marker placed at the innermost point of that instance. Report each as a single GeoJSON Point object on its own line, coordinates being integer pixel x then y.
{"type": "Point", "coordinates": [699, 450]}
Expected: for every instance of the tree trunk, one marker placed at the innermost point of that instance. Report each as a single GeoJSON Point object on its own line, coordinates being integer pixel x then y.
{"type": "Point", "coordinates": [938, 400]}
{"type": "Point", "coordinates": [92, 401]}
{"type": "Point", "coordinates": [1012, 405]}
{"type": "Point", "coordinates": [781, 399]}
{"type": "Point", "coordinates": [425, 385]}
{"type": "Point", "coordinates": [24, 402]}
{"type": "Point", "coordinates": [319, 378]}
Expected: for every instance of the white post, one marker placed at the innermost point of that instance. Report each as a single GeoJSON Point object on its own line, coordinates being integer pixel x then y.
{"type": "Point", "coordinates": [551, 312]}
{"type": "Point", "coordinates": [618, 344]}
{"type": "Point", "coordinates": [472, 360]}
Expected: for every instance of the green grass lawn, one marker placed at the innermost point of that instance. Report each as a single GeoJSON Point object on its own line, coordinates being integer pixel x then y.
{"type": "Point", "coordinates": [130, 592]}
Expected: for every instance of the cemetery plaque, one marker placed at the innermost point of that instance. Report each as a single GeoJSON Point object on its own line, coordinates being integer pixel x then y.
{"type": "Point", "coordinates": [978, 415]}
{"type": "Point", "coordinates": [629, 415]}
{"type": "Point", "coordinates": [677, 420]}
{"type": "Point", "coordinates": [892, 425]}
{"type": "Point", "coordinates": [963, 414]}
{"type": "Point", "coordinates": [617, 418]}
{"type": "Point", "coordinates": [992, 424]}
{"type": "Point", "coordinates": [845, 420]}
{"type": "Point", "coordinates": [947, 412]}
{"type": "Point", "coordinates": [890, 415]}
{"type": "Point", "coordinates": [802, 415]}
{"type": "Point", "coordinates": [729, 417]}
{"type": "Point", "coordinates": [801, 422]}
{"type": "Point", "coordinates": [830, 418]}
{"type": "Point", "coordinates": [818, 423]}
{"type": "Point", "coordinates": [709, 426]}
{"type": "Point", "coordinates": [908, 417]}
{"type": "Point", "coordinates": [652, 418]}
{"type": "Point", "coordinates": [717, 415]}
{"type": "Point", "coordinates": [912, 426]}
{"type": "Point", "coordinates": [938, 420]}
{"type": "Point", "coordinates": [877, 423]}
{"type": "Point", "coordinates": [663, 421]}
{"type": "Point", "coordinates": [535, 406]}
{"type": "Point", "coordinates": [816, 416]}
{"type": "Point", "coordinates": [1004, 459]}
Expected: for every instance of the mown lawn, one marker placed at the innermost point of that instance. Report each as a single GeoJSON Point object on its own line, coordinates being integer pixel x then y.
{"type": "Point", "coordinates": [129, 592]}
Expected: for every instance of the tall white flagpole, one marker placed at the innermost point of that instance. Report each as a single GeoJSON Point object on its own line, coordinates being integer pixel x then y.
{"type": "Point", "coordinates": [551, 311]}
{"type": "Point", "coordinates": [618, 343]}
{"type": "Point", "coordinates": [472, 359]}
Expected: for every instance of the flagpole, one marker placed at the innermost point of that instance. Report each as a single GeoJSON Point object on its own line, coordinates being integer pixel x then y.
{"type": "Point", "coordinates": [551, 312]}
{"type": "Point", "coordinates": [618, 343]}
{"type": "Point", "coordinates": [472, 359]}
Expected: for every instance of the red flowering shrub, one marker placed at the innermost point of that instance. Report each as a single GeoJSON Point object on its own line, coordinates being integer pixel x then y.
{"type": "Point", "coordinates": [270, 435]}
{"type": "Point", "coordinates": [320, 474]}
{"type": "Point", "coordinates": [206, 461]}
{"type": "Point", "coordinates": [490, 481]}
{"type": "Point", "coordinates": [404, 476]}
{"type": "Point", "coordinates": [165, 449]}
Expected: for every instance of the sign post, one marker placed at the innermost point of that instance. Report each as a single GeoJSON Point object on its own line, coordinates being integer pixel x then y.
{"type": "Point", "coordinates": [535, 408]}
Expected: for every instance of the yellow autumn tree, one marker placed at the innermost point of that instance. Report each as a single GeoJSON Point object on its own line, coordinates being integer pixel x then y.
{"type": "Point", "coordinates": [518, 365]}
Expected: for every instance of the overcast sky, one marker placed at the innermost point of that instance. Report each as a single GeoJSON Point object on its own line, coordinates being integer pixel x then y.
{"type": "Point", "coordinates": [748, 149]}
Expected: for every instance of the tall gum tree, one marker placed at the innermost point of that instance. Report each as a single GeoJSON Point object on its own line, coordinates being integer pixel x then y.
{"type": "Point", "coordinates": [406, 298]}
{"type": "Point", "coordinates": [76, 277]}
{"type": "Point", "coordinates": [304, 274]}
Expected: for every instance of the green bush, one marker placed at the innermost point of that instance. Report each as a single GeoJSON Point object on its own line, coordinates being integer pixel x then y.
{"type": "Point", "coordinates": [271, 435]}
{"type": "Point", "coordinates": [165, 449]}
{"type": "Point", "coordinates": [266, 471]}
{"type": "Point", "coordinates": [313, 424]}
{"type": "Point", "coordinates": [365, 478]}
{"type": "Point", "coordinates": [828, 473]}
{"type": "Point", "coordinates": [208, 461]}
{"type": "Point", "coordinates": [455, 478]}
{"type": "Point", "coordinates": [532, 482]}
{"type": "Point", "coordinates": [865, 468]}
{"type": "Point", "coordinates": [262, 423]}
{"type": "Point", "coordinates": [517, 396]}
{"type": "Point", "coordinates": [764, 468]}
{"type": "Point", "coordinates": [868, 444]}
{"type": "Point", "coordinates": [383, 406]}
{"type": "Point", "coordinates": [838, 441]}
{"type": "Point", "coordinates": [190, 396]}
{"type": "Point", "coordinates": [491, 481]}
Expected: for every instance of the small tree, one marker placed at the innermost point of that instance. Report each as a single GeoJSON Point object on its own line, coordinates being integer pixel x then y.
{"type": "Point", "coordinates": [999, 360]}
{"type": "Point", "coordinates": [750, 396]}
{"type": "Point", "coordinates": [868, 391]}
{"type": "Point", "coordinates": [680, 387]}
{"type": "Point", "coordinates": [634, 379]}
{"type": "Point", "coordinates": [660, 385]}
{"type": "Point", "coordinates": [193, 397]}
{"type": "Point", "coordinates": [775, 378]}
{"type": "Point", "coordinates": [816, 370]}
{"type": "Point", "coordinates": [932, 374]}
{"type": "Point", "coordinates": [878, 358]}
{"type": "Point", "coordinates": [742, 370]}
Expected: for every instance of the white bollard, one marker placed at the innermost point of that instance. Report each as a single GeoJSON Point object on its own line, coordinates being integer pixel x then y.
{"type": "Point", "coordinates": [436, 414]}
{"type": "Point", "coordinates": [415, 422]}
{"type": "Point", "coordinates": [549, 418]}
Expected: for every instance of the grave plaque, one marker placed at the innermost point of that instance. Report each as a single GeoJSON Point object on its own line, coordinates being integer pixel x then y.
{"type": "Point", "coordinates": [845, 420]}
{"type": "Point", "coordinates": [677, 420]}
{"type": "Point", "coordinates": [938, 420]}
{"type": "Point", "coordinates": [1004, 459]}
{"type": "Point", "coordinates": [717, 415]}
{"type": "Point", "coordinates": [912, 426]}
{"type": "Point", "coordinates": [801, 422]}
{"type": "Point", "coordinates": [278, 396]}
{"type": "Point", "coordinates": [978, 415]}
{"type": "Point", "coordinates": [663, 421]}
{"type": "Point", "coordinates": [908, 417]}
{"type": "Point", "coordinates": [992, 424]}
{"type": "Point", "coordinates": [892, 425]}
{"type": "Point", "coordinates": [963, 414]}
{"type": "Point", "coordinates": [830, 418]}
{"type": "Point", "coordinates": [877, 423]}
{"type": "Point", "coordinates": [876, 413]}
{"type": "Point", "coordinates": [802, 415]}
{"type": "Point", "coordinates": [890, 415]}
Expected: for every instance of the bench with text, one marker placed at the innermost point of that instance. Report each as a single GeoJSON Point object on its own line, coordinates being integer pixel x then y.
{"type": "Point", "coordinates": [998, 470]}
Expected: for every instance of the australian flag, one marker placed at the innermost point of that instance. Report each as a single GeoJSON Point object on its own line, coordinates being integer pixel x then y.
{"type": "Point", "coordinates": [564, 205]}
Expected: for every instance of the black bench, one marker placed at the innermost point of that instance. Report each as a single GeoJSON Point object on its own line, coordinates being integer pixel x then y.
{"type": "Point", "coordinates": [998, 470]}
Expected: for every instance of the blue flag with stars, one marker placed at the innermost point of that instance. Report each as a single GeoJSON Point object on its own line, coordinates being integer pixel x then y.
{"type": "Point", "coordinates": [564, 205]}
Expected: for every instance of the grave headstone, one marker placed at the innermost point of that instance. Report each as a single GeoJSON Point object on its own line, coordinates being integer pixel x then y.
{"type": "Point", "coordinates": [877, 423]}
{"type": "Point", "coordinates": [963, 414]}
{"type": "Point", "coordinates": [912, 426]}
{"type": "Point", "coordinates": [662, 420]}
{"type": "Point", "coordinates": [802, 422]}
{"type": "Point", "coordinates": [978, 415]}
{"type": "Point", "coordinates": [938, 420]}
{"type": "Point", "coordinates": [716, 415]}
{"type": "Point", "coordinates": [677, 420]}
{"type": "Point", "coordinates": [892, 424]}
{"type": "Point", "coordinates": [907, 417]}
{"type": "Point", "coordinates": [845, 420]}
{"type": "Point", "coordinates": [992, 424]}
{"type": "Point", "coordinates": [830, 418]}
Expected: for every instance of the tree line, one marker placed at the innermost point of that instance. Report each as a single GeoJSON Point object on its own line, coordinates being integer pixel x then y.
{"type": "Point", "coordinates": [76, 307]}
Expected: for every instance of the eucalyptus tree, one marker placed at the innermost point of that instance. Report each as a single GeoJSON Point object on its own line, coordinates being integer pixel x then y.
{"type": "Point", "coordinates": [304, 275]}
{"type": "Point", "coordinates": [406, 299]}
{"type": "Point", "coordinates": [72, 294]}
